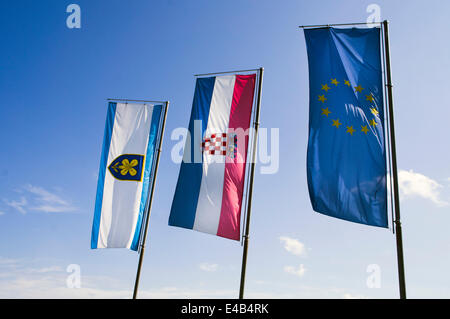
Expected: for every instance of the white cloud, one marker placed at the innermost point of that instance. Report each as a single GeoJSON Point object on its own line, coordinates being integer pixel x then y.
{"type": "Point", "coordinates": [40, 199]}
{"type": "Point", "coordinates": [209, 267]}
{"type": "Point", "coordinates": [19, 205]}
{"type": "Point", "coordinates": [293, 246]}
{"type": "Point", "coordinates": [299, 271]}
{"type": "Point", "coordinates": [54, 287]}
{"type": "Point", "coordinates": [21, 281]}
{"type": "Point", "coordinates": [8, 261]}
{"type": "Point", "coordinates": [48, 202]}
{"type": "Point", "coordinates": [46, 278]}
{"type": "Point", "coordinates": [352, 296]}
{"type": "Point", "coordinates": [54, 208]}
{"type": "Point", "coordinates": [413, 184]}
{"type": "Point", "coordinates": [44, 270]}
{"type": "Point", "coordinates": [44, 195]}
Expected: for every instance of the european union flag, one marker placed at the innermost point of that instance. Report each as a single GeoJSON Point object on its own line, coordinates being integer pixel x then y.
{"type": "Point", "coordinates": [346, 148]}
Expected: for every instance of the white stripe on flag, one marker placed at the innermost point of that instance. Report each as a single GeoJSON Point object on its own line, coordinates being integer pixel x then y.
{"type": "Point", "coordinates": [121, 199]}
{"type": "Point", "coordinates": [210, 197]}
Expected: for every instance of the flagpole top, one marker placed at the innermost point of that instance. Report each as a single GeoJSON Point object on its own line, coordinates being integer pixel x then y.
{"type": "Point", "coordinates": [226, 72]}
{"type": "Point", "coordinates": [338, 25]}
{"type": "Point", "coordinates": [142, 101]}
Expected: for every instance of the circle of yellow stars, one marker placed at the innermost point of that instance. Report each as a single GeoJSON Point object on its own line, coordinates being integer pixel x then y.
{"type": "Point", "coordinates": [336, 122]}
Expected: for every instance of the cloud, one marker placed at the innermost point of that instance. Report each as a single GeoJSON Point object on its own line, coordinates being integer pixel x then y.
{"type": "Point", "coordinates": [20, 268]}
{"type": "Point", "coordinates": [413, 184]}
{"type": "Point", "coordinates": [209, 267]}
{"type": "Point", "coordinates": [48, 202]}
{"type": "Point", "coordinates": [54, 208]}
{"type": "Point", "coordinates": [39, 199]}
{"type": "Point", "coordinates": [44, 270]}
{"type": "Point", "coordinates": [351, 296]}
{"type": "Point", "coordinates": [44, 195]}
{"type": "Point", "coordinates": [47, 278]}
{"type": "Point", "coordinates": [299, 272]}
{"type": "Point", "coordinates": [55, 287]}
{"type": "Point", "coordinates": [293, 246]}
{"type": "Point", "coordinates": [23, 279]}
{"type": "Point", "coordinates": [8, 262]}
{"type": "Point", "coordinates": [19, 205]}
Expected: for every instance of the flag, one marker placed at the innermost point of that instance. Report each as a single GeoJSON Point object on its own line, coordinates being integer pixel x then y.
{"type": "Point", "coordinates": [126, 168]}
{"type": "Point", "coordinates": [208, 195]}
{"type": "Point", "coordinates": [346, 160]}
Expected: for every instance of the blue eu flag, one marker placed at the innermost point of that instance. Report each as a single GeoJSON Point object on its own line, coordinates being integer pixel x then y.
{"type": "Point", "coordinates": [346, 147]}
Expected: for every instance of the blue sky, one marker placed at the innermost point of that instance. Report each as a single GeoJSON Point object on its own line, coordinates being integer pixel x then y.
{"type": "Point", "coordinates": [54, 82]}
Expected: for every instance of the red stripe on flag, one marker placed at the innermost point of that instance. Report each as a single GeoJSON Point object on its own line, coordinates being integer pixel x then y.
{"type": "Point", "coordinates": [233, 185]}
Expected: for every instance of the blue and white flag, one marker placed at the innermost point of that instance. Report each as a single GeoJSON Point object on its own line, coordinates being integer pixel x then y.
{"type": "Point", "coordinates": [126, 167]}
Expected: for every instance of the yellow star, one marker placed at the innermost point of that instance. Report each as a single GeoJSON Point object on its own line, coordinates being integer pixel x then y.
{"type": "Point", "coordinates": [322, 98]}
{"type": "Point", "coordinates": [364, 129]}
{"type": "Point", "coordinates": [374, 111]}
{"type": "Point", "coordinates": [369, 98]}
{"type": "Point", "coordinates": [373, 123]}
{"type": "Point", "coordinates": [359, 88]}
{"type": "Point", "coordinates": [325, 87]}
{"type": "Point", "coordinates": [336, 123]}
{"type": "Point", "coordinates": [347, 82]}
{"type": "Point", "coordinates": [350, 130]}
{"type": "Point", "coordinates": [325, 112]}
{"type": "Point", "coordinates": [335, 81]}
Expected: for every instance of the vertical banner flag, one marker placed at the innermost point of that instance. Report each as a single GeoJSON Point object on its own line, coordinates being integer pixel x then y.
{"type": "Point", "coordinates": [208, 195]}
{"type": "Point", "coordinates": [346, 160]}
{"type": "Point", "coordinates": [126, 167]}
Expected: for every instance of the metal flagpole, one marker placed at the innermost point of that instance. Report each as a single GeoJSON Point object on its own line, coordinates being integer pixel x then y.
{"type": "Point", "coordinates": [149, 204]}
{"type": "Point", "coordinates": [143, 101]}
{"type": "Point", "coordinates": [336, 25]}
{"type": "Point", "coordinates": [237, 71]}
{"type": "Point", "coordinates": [398, 225]}
{"type": "Point", "coordinates": [250, 190]}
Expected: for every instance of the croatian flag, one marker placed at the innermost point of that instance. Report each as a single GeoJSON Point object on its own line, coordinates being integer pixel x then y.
{"type": "Point", "coordinates": [126, 168]}
{"type": "Point", "coordinates": [208, 195]}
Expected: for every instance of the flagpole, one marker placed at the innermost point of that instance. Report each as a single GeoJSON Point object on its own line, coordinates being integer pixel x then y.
{"type": "Point", "coordinates": [226, 72]}
{"type": "Point", "coordinates": [250, 190]}
{"type": "Point", "coordinates": [149, 206]}
{"type": "Point", "coordinates": [337, 25]}
{"type": "Point", "coordinates": [398, 225]}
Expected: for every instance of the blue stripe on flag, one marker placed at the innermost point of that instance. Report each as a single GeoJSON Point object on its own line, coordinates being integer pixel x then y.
{"type": "Point", "coordinates": [184, 205]}
{"type": "Point", "coordinates": [101, 175]}
{"type": "Point", "coordinates": [150, 156]}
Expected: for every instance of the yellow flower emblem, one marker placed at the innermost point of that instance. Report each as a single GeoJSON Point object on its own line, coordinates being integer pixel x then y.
{"type": "Point", "coordinates": [127, 167]}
